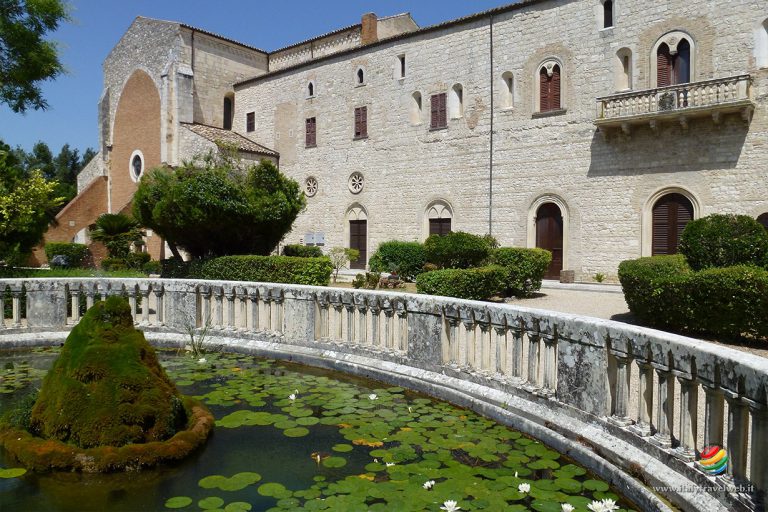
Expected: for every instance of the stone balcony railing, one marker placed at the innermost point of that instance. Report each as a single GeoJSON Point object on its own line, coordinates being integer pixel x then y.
{"type": "Point", "coordinates": [641, 400]}
{"type": "Point", "coordinates": [676, 103]}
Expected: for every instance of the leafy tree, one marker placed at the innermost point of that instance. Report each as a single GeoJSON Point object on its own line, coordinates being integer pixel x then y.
{"type": "Point", "coordinates": [117, 232]}
{"type": "Point", "coordinates": [26, 58]}
{"type": "Point", "coordinates": [340, 256]}
{"type": "Point", "coordinates": [25, 202]}
{"type": "Point", "coordinates": [215, 207]}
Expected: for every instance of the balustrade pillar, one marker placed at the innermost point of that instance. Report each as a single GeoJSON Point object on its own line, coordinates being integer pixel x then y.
{"type": "Point", "coordinates": [90, 291]}
{"type": "Point", "coordinates": [338, 324]}
{"type": "Point", "coordinates": [643, 425]}
{"type": "Point", "coordinates": [389, 328]}
{"type": "Point", "coordinates": [499, 353]}
{"type": "Point", "coordinates": [402, 330]}
{"type": "Point", "coordinates": [664, 408]}
{"type": "Point", "coordinates": [714, 414]}
{"type": "Point", "coordinates": [350, 328]}
{"type": "Point", "coordinates": [276, 319]}
{"type": "Point", "coordinates": [144, 290]}
{"type": "Point", "coordinates": [375, 325]}
{"type": "Point", "coordinates": [362, 324]}
{"type": "Point", "coordinates": [737, 439]}
{"type": "Point", "coordinates": [549, 369]}
{"type": "Point", "coordinates": [2, 307]}
{"type": "Point", "coordinates": [159, 299]}
{"type": "Point", "coordinates": [132, 302]}
{"type": "Point", "coordinates": [689, 400]}
{"type": "Point", "coordinates": [205, 299]}
{"type": "Point", "coordinates": [533, 360]}
{"type": "Point", "coordinates": [16, 306]}
{"type": "Point", "coordinates": [515, 357]}
{"type": "Point", "coordinates": [759, 448]}
{"type": "Point", "coordinates": [218, 296]}
{"type": "Point", "coordinates": [451, 350]}
{"type": "Point", "coordinates": [75, 301]}
{"type": "Point", "coordinates": [255, 320]}
{"type": "Point", "coordinates": [483, 353]}
{"type": "Point", "coordinates": [231, 309]}
{"type": "Point", "coordinates": [466, 342]}
{"type": "Point", "coordinates": [620, 414]}
{"type": "Point", "coordinates": [243, 310]}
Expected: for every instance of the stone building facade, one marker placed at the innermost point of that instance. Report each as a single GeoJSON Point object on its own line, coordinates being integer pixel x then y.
{"type": "Point", "coordinates": [594, 128]}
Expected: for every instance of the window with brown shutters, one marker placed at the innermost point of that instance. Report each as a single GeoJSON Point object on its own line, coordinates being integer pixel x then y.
{"type": "Point", "coordinates": [361, 122]}
{"type": "Point", "coordinates": [310, 134]}
{"type": "Point", "coordinates": [671, 214]}
{"type": "Point", "coordinates": [663, 66]}
{"type": "Point", "coordinates": [439, 227]}
{"type": "Point", "coordinates": [438, 113]}
{"type": "Point", "coordinates": [250, 121]}
{"type": "Point", "coordinates": [549, 89]}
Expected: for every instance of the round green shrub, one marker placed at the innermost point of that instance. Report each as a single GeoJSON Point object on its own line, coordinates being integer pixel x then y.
{"type": "Point", "coordinates": [472, 283]}
{"type": "Point", "coordinates": [525, 268]}
{"type": "Point", "coordinates": [457, 250]}
{"type": "Point", "coordinates": [302, 251]}
{"type": "Point", "coordinates": [724, 240]}
{"type": "Point", "coordinates": [75, 253]}
{"type": "Point", "coordinates": [266, 269]}
{"type": "Point", "coordinates": [405, 259]}
{"type": "Point", "coordinates": [642, 279]}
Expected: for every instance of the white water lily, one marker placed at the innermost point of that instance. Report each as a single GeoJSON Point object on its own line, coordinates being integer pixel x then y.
{"type": "Point", "coordinates": [609, 505]}
{"type": "Point", "coordinates": [567, 507]}
{"type": "Point", "coordinates": [450, 506]}
{"type": "Point", "coordinates": [201, 360]}
{"type": "Point", "coordinates": [373, 396]}
{"type": "Point", "coordinates": [390, 464]}
{"type": "Point", "coordinates": [515, 474]}
{"type": "Point", "coordinates": [596, 506]}
{"type": "Point", "coordinates": [428, 484]}
{"type": "Point", "coordinates": [524, 487]}
{"type": "Point", "coordinates": [292, 397]}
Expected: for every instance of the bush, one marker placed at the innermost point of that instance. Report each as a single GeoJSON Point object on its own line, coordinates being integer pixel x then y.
{"type": "Point", "coordinates": [137, 260]}
{"type": "Point", "coordinates": [75, 253]}
{"type": "Point", "coordinates": [723, 241]}
{"type": "Point", "coordinates": [152, 267]}
{"type": "Point", "coordinates": [474, 283]}
{"type": "Point", "coordinates": [641, 280]}
{"type": "Point", "coordinates": [110, 264]}
{"type": "Point", "coordinates": [457, 250]}
{"type": "Point", "coordinates": [525, 268]}
{"type": "Point", "coordinates": [405, 259]}
{"type": "Point", "coordinates": [368, 281]}
{"type": "Point", "coordinates": [302, 251]}
{"type": "Point", "coordinates": [267, 269]}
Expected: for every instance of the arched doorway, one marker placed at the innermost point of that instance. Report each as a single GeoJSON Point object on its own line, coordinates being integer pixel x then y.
{"type": "Point", "coordinates": [549, 236]}
{"type": "Point", "coordinates": [671, 213]}
{"type": "Point", "coordinates": [358, 235]}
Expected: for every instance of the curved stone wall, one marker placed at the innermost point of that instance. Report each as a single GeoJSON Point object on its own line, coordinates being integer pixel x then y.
{"type": "Point", "coordinates": [630, 403]}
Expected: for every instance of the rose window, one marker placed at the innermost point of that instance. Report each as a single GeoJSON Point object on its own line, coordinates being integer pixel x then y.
{"type": "Point", "coordinates": [356, 182]}
{"type": "Point", "coordinates": [310, 186]}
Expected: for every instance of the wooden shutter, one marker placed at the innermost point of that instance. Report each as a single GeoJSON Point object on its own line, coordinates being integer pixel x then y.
{"type": "Point", "coordinates": [443, 114]}
{"type": "Point", "coordinates": [663, 66]}
{"type": "Point", "coordinates": [544, 91]}
{"type": "Point", "coordinates": [357, 122]}
{"type": "Point", "coordinates": [363, 121]}
{"type": "Point", "coordinates": [250, 121]}
{"type": "Point", "coordinates": [310, 137]}
{"type": "Point", "coordinates": [671, 214]}
{"type": "Point", "coordinates": [358, 234]}
{"type": "Point", "coordinates": [660, 238]}
{"type": "Point", "coordinates": [438, 114]}
{"type": "Point", "coordinates": [554, 91]}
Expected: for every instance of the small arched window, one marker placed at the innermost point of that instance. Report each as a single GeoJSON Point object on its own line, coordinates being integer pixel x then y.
{"type": "Point", "coordinates": [761, 45]}
{"type": "Point", "coordinates": [673, 67]}
{"type": "Point", "coordinates": [549, 87]}
{"type": "Point", "coordinates": [623, 76]}
{"type": "Point", "coordinates": [311, 90]}
{"type": "Point", "coordinates": [507, 90]}
{"type": "Point", "coordinates": [456, 102]}
{"type": "Point", "coordinates": [415, 110]}
{"type": "Point", "coordinates": [229, 102]}
{"type": "Point", "coordinates": [360, 76]}
{"type": "Point", "coordinates": [607, 14]}
{"type": "Point", "coordinates": [439, 218]}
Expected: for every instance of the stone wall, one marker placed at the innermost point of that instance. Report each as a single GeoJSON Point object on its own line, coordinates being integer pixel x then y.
{"type": "Point", "coordinates": [91, 171]}
{"type": "Point", "coordinates": [604, 184]}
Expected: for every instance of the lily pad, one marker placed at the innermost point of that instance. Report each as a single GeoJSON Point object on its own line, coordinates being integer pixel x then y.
{"type": "Point", "coordinates": [341, 448]}
{"type": "Point", "coordinates": [271, 489]}
{"type": "Point", "coordinates": [210, 502]}
{"type": "Point", "coordinates": [296, 432]}
{"type": "Point", "coordinates": [233, 483]}
{"type": "Point", "coordinates": [178, 502]}
{"type": "Point", "coordinates": [238, 506]}
{"type": "Point", "coordinates": [595, 485]}
{"type": "Point", "coordinates": [335, 462]}
{"type": "Point", "coordinates": [12, 472]}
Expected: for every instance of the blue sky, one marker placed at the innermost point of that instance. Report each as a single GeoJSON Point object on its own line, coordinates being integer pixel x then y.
{"type": "Point", "coordinates": [97, 25]}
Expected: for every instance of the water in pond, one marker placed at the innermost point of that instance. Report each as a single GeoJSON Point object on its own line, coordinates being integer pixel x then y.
{"type": "Point", "coordinates": [290, 437]}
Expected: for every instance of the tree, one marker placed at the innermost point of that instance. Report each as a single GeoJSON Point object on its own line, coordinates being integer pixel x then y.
{"type": "Point", "coordinates": [117, 232]}
{"type": "Point", "coordinates": [26, 201]}
{"type": "Point", "coordinates": [340, 256]}
{"type": "Point", "coordinates": [26, 58]}
{"type": "Point", "coordinates": [214, 206]}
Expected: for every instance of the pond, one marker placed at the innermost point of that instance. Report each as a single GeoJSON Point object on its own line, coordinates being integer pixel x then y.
{"type": "Point", "coordinates": [291, 437]}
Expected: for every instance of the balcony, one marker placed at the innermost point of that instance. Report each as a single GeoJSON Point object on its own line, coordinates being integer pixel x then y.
{"type": "Point", "coordinates": [676, 104]}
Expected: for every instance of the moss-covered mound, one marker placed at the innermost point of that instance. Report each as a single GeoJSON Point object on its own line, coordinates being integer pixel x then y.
{"type": "Point", "coordinates": [106, 404]}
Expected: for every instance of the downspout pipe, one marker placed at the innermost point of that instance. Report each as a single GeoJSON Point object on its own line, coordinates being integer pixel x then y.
{"type": "Point", "coordinates": [490, 151]}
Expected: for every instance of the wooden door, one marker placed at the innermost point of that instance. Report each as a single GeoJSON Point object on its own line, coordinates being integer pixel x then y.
{"type": "Point", "coordinates": [671, 213]}
{"type": "Point", "coordinates": [358, 239]}
{"type": "Point", "coordinates": [549, 236]}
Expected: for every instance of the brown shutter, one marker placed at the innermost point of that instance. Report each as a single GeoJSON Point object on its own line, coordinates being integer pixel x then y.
{"type": "Point", "coordinates": [442, 115]}
{"type": "Point", "coordinates": [364, 121]}
{"type": "Point", "coordinates": [357, 122]}
{"type": "Point", "coordinates": [438, 114]}
{"type": "Point", "coordinates": [554, 92]}
{"type": "Point", "coordinates": [433, 111]}
{"type": "Point", "coordinates": [543, 91]}
{"type": "Point", "coordinates": [671, 214]}
{"type": "Point", "coordinates": [660, 241]}
{"type": "Point", "coordinates": [311, 132]}
{"type": "Point", "coordinates": [663, 66]}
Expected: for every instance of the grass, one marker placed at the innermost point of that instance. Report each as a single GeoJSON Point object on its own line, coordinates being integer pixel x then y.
{"type": "Point", "coordinates": [10, 273]}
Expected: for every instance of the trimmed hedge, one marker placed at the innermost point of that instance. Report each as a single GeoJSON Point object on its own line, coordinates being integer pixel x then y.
{"type": "Point", "coordinates": [267, 269]}
{"type": "Point", "coordinates": [302, 251]}
{"type": "Point", "coordinates": [727, 302]}
{"type": "Point", "coordinates": [525, 268]}
{"type": "Point", "coordinates": [75, 253]}
{"type": "Point", "coordinates": [723, 241]}
{"type": "Point", "coordinates": [473, 283]}
{"type": "Point", "coordinates": [458, 250]}
{"type": "Point", "coordinates": [405, 259]}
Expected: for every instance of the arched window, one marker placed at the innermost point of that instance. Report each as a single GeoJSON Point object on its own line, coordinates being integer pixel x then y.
{"type": "Point", "coordinates": [607, 14]}
{"type": "Point", "coordinates": [761, 45]}
{"type": "Point", "coordinates": [311, 90]}
{"type": "Point", "coordinates": [507, 90]}
{"type": "Point", "coordinates": [763, 219]}
{"type": "Point", "coordinates": [456, 102]}
{"type": "Point", "coordinates": [673, 65]}
{"type": "Point", "coordinates": [623, 76]}
{"type": "Point", "coordinates": [229, 103]}
{"type": "Point", "coordinates": [671, 213]}
{"type": "Point", "coordinates": [439, 218]}
{"type": "Point", "coordinates": [549, 87]}
{"type": "Point", "coordinates": [136, 165]}
{"type": "Point", "coordinates": [357, 220]}
{"type": "Point", "coordinates": [549, 236]}
{"type": "Point", "coordinates": [360, 76]}
{"type": "Point", "coordinates": [415, 110]}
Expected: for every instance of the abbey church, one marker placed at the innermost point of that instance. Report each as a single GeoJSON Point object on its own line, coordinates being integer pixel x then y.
{"type": "Point", "coordinates": [592, 128]}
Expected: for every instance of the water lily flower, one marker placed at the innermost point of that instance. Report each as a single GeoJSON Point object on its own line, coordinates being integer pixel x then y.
{"type": "Point", "coordinates": [515, 474]}
{"type": "Point", "coordinates": [428, 484]}
{"type": "Point", "coordinates": [201, 360]}
{"type": "Point", "coordinates": [450, 506]}
{"type": "Point", "coordinates": [524, 487]}
{"type": "Point", "coordinates": [567, 507]}
{"type": "Point", "coordinates": [596, 506]}
{"type": "Point", "coordinates": [609, 505]}
{"type": "Point", "coordinates": [390, 464]}
{"type": "Point", "coordinates": [292, 397]}
{"type": "Point", "coordinates": [409, 409]}
{"type": "Point", "coordinates": [373, 396]}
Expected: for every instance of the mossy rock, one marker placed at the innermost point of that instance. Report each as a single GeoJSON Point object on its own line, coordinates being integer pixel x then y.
{"type": "Point", "coordinates": [107, 387]}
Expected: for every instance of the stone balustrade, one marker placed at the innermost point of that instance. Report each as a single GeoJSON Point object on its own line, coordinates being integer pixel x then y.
{"type": "Point", "coordinates": [665, 394]}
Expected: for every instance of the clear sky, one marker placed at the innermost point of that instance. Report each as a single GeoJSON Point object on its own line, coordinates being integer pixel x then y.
{"type": "Point", "coordinates": [97, 25]}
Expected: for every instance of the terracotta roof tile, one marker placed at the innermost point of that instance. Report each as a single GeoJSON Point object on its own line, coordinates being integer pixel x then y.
{"type": "Point", "coordinates": [219, 135]}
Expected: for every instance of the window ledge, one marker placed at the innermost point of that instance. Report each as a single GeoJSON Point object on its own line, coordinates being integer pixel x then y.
{"type": "Point", "coordinates": [311, 97]}
{"type": "Point", "coordinates": [437, 128]}
{"type": "Point", "coordinates": [507, 109]}
{"type": "Point", "coordinates": [549, 113]}
{"type": "Point", "coordinates": [361, 85]}
{"type": "Point", "coordinates": [361, 137]}
{"type": "Point", "coordinates": [607, 29]}
{"type": "Point", "coordinates": [310, 147]}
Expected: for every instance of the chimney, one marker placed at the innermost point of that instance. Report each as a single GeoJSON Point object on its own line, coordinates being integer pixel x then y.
{"type": "Point", "coordinates": [369, 34]}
